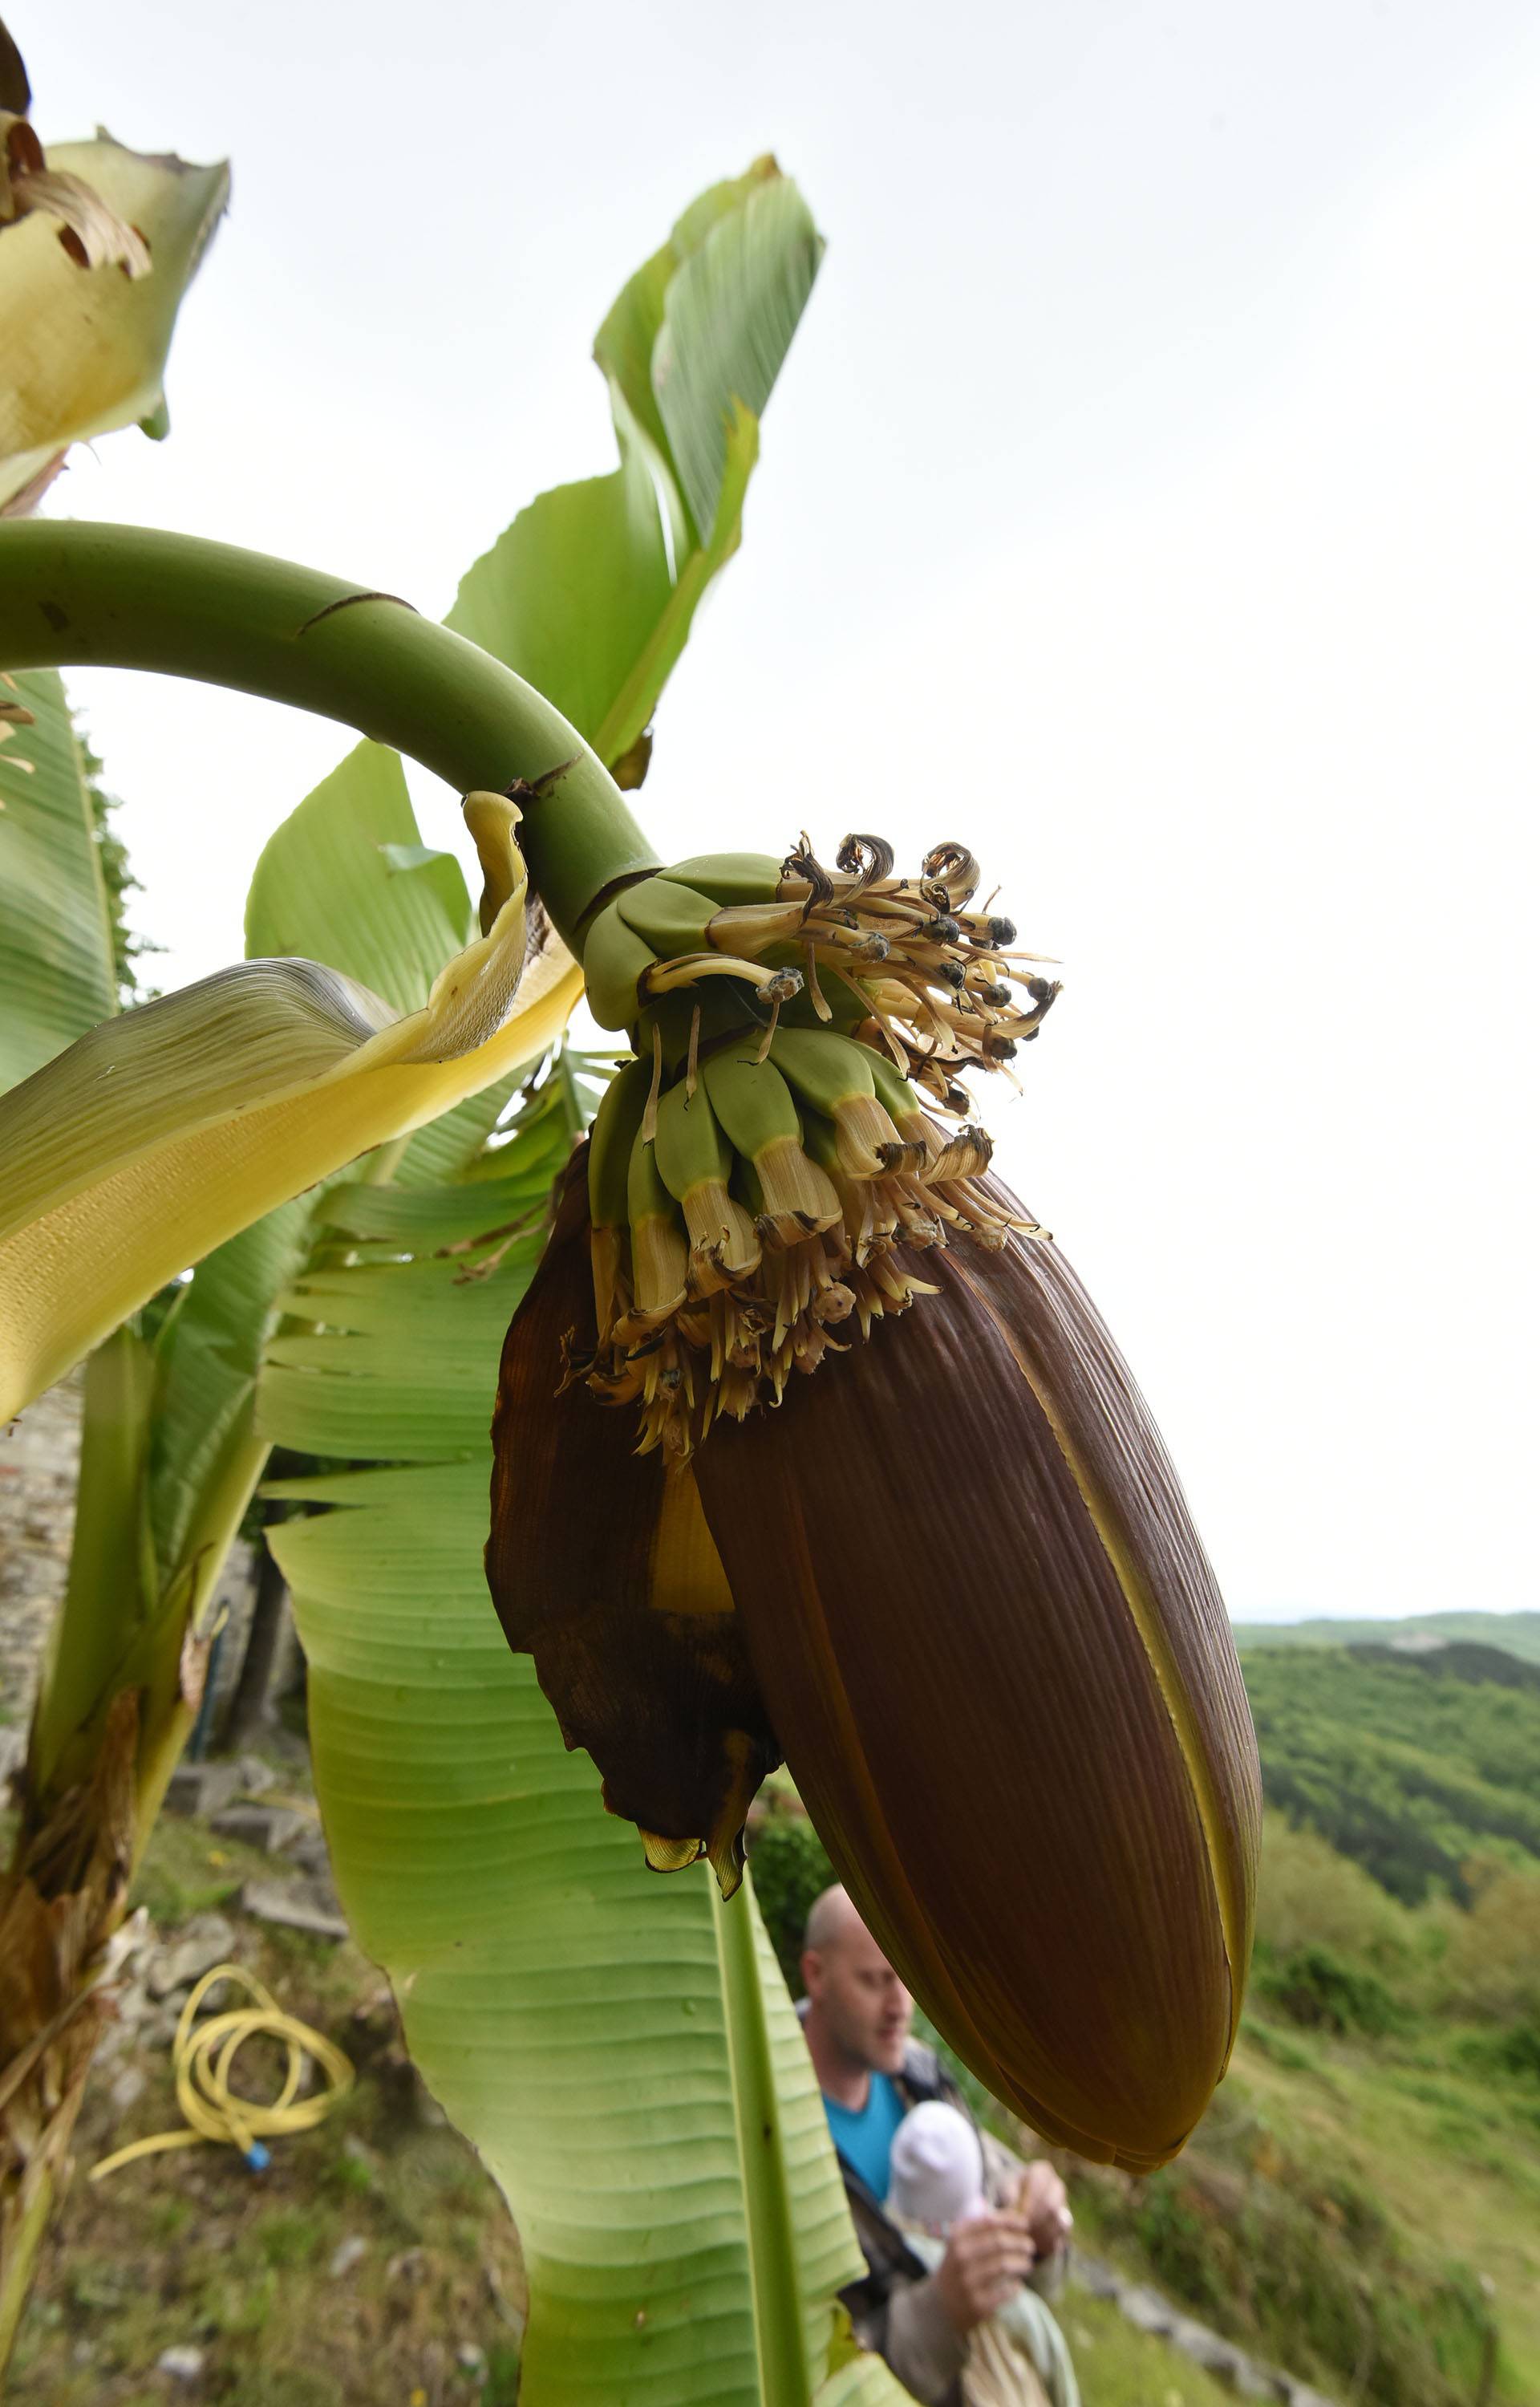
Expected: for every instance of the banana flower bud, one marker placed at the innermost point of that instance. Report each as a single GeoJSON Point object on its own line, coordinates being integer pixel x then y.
{"type": "Point", "coordinates": [951, 1578]}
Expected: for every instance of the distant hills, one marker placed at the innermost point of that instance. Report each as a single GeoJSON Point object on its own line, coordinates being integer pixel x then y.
{"type": "Point", "coordinates": [1516, 1634]}
{"type": "Point", "coordinates": [1420, 1763]}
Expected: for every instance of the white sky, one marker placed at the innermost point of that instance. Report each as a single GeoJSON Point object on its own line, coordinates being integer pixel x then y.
{"type": "Point", "coordinates": [1149, 499]}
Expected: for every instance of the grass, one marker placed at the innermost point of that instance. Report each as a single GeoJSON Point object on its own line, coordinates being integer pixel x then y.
{"type": "Point", "coordinates": [188, 1870]}
{"type": "Point", "coordinates": [1360, 2205]}
{"type": "Point", "coordinates": [1119, 2366]}
{"type": "Point", "coordinates": [192, 2249]}
{"type": "Point", "coordinates": [1350, 2215]}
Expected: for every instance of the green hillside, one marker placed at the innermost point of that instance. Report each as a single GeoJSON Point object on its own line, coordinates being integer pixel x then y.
{"type": "Point", "coordinates": [1516, 1634]}
{"type": "Point", "coordinates": [1414, 1765]}
{"type": "Point", "coordinates": [1361, 2203]}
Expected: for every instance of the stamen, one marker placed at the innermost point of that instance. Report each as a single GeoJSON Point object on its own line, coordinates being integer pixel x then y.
{"type": "Point", "coordinates": [866, 858]}
{"type": "Point", "coordinates": [867, 1004]}
{"type": "Point", "coordinates": [691, 1068]}
{"type": "Point", "coordinates": [687, 969]}
{"type": "Point", "coordinates": [860, 943]}
{"type": "Point", "coordinates": [953, 865]}
{"type": "Point", "coordinates": [802, 863]}
{"type": "Point", "coordinates": [781, 988]}
{"type": "Point", "coordinates": [649, 1118]}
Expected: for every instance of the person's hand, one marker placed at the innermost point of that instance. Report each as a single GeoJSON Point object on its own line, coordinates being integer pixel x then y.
{"type": "Point", "coordinates": [1042, 2202]}
{"type": "Point", "coordinates": [986, 2261]}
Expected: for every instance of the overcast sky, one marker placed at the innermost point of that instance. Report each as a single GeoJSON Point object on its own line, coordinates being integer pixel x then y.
{"type": "Point", "coordinates": [1149, 499]}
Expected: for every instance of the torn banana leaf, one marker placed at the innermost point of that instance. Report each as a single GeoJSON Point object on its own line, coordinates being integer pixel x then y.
{"type": "Point", "coordinates": [161, 1133]}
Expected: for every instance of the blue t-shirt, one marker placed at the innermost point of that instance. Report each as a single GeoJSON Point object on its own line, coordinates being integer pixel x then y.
{"type": "Point", "coordinates": [866, 2140]}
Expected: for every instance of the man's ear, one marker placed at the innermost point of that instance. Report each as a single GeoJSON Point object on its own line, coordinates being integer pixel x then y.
{"type": "Point", "coordinates": [813, 1971]}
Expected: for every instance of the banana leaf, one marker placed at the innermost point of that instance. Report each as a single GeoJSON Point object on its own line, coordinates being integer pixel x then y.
{"type": "Point", "coordinates": [619, 2046]}
{"type": "Point", "coordinates": [167, 1129]}
{"type": "Point", "coordinates": [591, 591]}
{"type": "Point", "coordinates": [56, 955]}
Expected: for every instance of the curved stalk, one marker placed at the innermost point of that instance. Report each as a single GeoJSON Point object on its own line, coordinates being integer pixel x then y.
{"type": "Point", "coordinates": [74, 595]}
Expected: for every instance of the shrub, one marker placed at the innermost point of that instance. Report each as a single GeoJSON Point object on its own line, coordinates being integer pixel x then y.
{"type": "Point", "coordinates": [1311, 1896]}
{"type": "Point", "coordinates": [1314, 1987]}
{"type": "Point", "coordinates": [790, 1869]}
{"type": "Point", "coordinates": [1516, 2051]}
{"type": "Point", "coordinates": [1493, 1959]}
{"type": "Point", "coordinates": [1305, 2268]}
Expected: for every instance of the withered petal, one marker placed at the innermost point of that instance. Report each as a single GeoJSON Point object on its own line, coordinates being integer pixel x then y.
{"type": "Point", "coordinates": [601, 1568]}
{"type": "Point", "coordinates": [998, 1662]}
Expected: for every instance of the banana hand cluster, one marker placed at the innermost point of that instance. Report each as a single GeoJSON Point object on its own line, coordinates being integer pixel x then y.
{"type": "Point", "coordinates": [753, 1172]}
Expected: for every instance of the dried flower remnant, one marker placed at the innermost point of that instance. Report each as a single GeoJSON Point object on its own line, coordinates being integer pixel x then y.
{"type": "Point", "coordinates": [90, 231]}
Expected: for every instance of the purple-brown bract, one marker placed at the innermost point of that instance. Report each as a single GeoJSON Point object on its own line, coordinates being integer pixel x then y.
{"type": "Point", "coordinates": [810, 1443]}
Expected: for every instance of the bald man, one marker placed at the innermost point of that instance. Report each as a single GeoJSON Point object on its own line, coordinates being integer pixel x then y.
{"type": "Point", "coordinates": [856, 2018]}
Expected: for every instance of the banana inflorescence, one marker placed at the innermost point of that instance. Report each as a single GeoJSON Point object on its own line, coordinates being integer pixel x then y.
{"type": "Point", "coordinates": [753, 1171]}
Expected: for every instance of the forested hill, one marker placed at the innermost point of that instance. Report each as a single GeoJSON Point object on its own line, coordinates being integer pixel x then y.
{"type": "Point", "coordinates": [1516, 1634]}
{"type": "Point", "coordinates": [1418, 1765]}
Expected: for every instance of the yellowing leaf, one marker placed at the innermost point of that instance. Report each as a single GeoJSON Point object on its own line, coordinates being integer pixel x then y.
{"type": "Point", "coordinates": [162, 1131]}
{"type": "Point", "coordinates": [85, 349]}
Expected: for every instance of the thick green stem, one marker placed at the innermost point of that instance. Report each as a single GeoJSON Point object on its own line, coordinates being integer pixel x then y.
{"type": "Point", "coordinates": [112, 1581]}
{"type": "Point", "coordinates": [780, 2318]}
{"type": "Point", "coordinates": [124, 597]}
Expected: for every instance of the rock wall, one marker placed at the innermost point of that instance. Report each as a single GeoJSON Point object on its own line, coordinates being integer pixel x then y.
{"type": "Point", "coordinates": [40, 1464]}
{"type": "Point", "coordinates": [1146, 2309]}
{"type": "Point", "coordinates": [39, 1460]}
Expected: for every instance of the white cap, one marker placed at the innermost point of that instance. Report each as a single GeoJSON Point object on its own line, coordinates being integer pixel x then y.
{"type": "Point", "coordinates": [936, 2169]}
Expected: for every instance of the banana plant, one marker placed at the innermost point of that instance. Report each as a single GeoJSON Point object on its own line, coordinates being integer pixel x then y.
{"type": "Point", "coordinates": [171, 1449]}
{"type": "Point", "coordinates": [969, 1516]}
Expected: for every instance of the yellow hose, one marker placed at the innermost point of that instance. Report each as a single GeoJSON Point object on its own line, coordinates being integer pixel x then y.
{"type": "Point", "coordinates": [203, 2060]}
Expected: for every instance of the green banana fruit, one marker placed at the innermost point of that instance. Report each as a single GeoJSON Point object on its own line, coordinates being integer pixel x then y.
{"type": "Point", "coordinates": [660, 1256]}
{"type": "Point", "coordinates": [695, 1163]}
{"type": "Point", "coordinates": [669, 916]}
{"type": "Point", "coordinates": [614, 957]}
{"type": "Point", "coordinates": [755, 1109]}
{"type": "Point", "coordinates": [731, 878]}
{"type": "Point", "coordinates": [611, 1139]}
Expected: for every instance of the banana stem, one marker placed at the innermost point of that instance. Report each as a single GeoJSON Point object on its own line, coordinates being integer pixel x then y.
{"type": "Point", "coordinates": [74, 595]}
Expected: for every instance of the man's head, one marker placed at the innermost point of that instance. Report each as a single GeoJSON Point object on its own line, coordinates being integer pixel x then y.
{"type": "Point", "coordinates": [858, 2008]}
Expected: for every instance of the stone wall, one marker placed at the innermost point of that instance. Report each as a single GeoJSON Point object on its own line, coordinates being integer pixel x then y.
{"type": "Point", "coordinates": [1148, 2311]}
{"type": "Point", "coordinates": [40, 1464]}
{"type": "Point", "coordinates": [39, 1460]}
